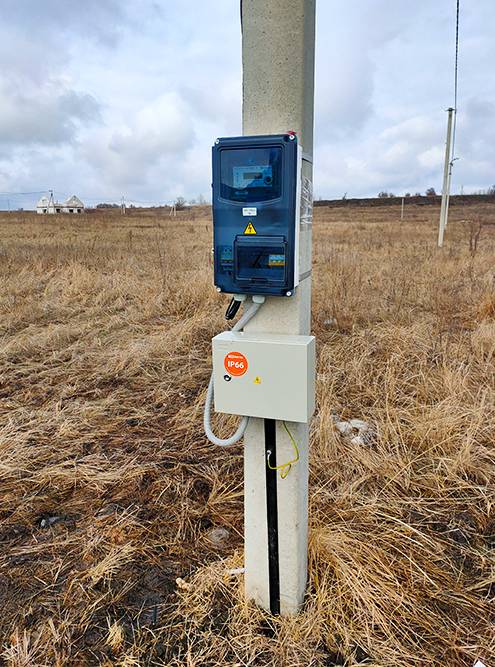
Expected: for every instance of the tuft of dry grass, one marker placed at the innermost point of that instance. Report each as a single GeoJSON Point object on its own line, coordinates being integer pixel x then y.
{"type": "Point", "coordinates": [110, 493]}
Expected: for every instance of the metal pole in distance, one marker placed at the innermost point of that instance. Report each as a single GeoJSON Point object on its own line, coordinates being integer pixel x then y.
{"type": "Point", "coordinates": [447, 204]}
{"type": "Point", "coordinates": [278, 95]}
{"type": "Point", "coordinates": [445, 187]}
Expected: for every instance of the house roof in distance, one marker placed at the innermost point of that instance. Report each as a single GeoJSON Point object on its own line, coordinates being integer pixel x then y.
{"type": "Point", "coordinates": [74, 201]}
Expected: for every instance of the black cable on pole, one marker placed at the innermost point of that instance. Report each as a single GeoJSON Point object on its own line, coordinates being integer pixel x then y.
{"type": "Point", "coordinates": [272, 515]}
{"type": "Point", "coordinates": [456, 73]}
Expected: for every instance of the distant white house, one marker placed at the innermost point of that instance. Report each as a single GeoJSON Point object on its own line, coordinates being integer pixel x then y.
{"type": "Point", "coordinates": [47, 205]}
{"type": "Point", "coordinates": [73, 205]}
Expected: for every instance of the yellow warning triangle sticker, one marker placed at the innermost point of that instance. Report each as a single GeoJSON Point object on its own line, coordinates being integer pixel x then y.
{"type": "Point", "coordinates": [257, 380]}
{"type": "Point", "coordinates": [250, 229]}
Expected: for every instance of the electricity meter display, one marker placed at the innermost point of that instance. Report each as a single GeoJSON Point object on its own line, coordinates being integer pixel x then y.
{"type": "Point", "coordinates": [256, 199]}
{"type": "Point", "coordinates": [250, 175]}
{"type": "Point", "coordinates": [256, 176]}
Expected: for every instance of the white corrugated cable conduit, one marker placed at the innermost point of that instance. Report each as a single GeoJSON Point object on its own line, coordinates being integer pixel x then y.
{"type": "Point", "coordinates": [239, 326]}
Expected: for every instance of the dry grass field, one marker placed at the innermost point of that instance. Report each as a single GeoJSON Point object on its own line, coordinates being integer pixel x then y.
{"type": "Point", "coordinates": [110, 494]}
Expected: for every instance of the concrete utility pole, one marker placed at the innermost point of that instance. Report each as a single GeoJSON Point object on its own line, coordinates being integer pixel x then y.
{"type": "Point", "coordinates": [278, 45]}
{"type": "Point", "coordinates": [446, 181]}
{"type": "Point", "coordinates": [402, 209]}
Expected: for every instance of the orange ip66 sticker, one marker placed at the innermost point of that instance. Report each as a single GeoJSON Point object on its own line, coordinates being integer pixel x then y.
{"type": "Point", "coordinates": [235, 363]}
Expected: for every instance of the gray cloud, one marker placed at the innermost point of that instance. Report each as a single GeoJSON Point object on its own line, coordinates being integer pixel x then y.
{"type": "Point", "coordinates": [45, 116]}
{"type": "Point", "coordinates": [40, 104]}
{"type": "Point", "coordinates": [111, 98]}
{"type": "Point", "coordinates": [160, 133]}
{"type": "Point", "coordinates": [100, 20]}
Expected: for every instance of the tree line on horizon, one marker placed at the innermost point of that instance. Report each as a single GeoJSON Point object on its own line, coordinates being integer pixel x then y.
{"type": "Point", "coordinates": [430, 192]}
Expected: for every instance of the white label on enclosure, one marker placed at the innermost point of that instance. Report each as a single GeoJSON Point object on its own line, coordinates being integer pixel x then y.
{"type": "Point", "coordinates": [250, 211]}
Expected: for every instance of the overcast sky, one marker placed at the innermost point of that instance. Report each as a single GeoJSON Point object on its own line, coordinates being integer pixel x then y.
{"type": "Point", "coordinates": [105, 98]}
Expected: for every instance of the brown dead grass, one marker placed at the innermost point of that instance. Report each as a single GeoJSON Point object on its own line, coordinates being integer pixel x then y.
{"type": "Point", "coordinates": [109, 490]}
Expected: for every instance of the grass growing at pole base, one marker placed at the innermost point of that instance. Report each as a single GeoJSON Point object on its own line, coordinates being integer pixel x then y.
{"type": "Point", "coordinates": [112, 500]}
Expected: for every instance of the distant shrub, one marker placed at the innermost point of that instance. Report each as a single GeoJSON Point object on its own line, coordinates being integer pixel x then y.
{"type": "Point", "coordinates": [431, 192]}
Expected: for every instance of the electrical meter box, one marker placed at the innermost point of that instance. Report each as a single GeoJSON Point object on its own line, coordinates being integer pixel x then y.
{"type": "Point", "coordinates": [264, 375]}
{"type": "Point", "coordinates": [256, 213]}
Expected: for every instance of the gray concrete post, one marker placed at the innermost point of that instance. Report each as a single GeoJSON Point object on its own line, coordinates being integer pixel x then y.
{"type": "Point", "coordinates": [278, 95]}
{"type": "Point", "coordinates": [446, 183]}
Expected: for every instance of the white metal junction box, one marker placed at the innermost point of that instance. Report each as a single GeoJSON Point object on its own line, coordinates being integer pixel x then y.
{"type": "Point", "coordinates": [264, 375]}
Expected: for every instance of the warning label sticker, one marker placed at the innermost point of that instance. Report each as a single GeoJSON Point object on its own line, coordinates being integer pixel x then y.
{"type": "Point", "coordinates": [235, 363]}
{"type": "Point", "coordinates": [276, 260]}
{"type": "Point", "coordinates": [250, 229]}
